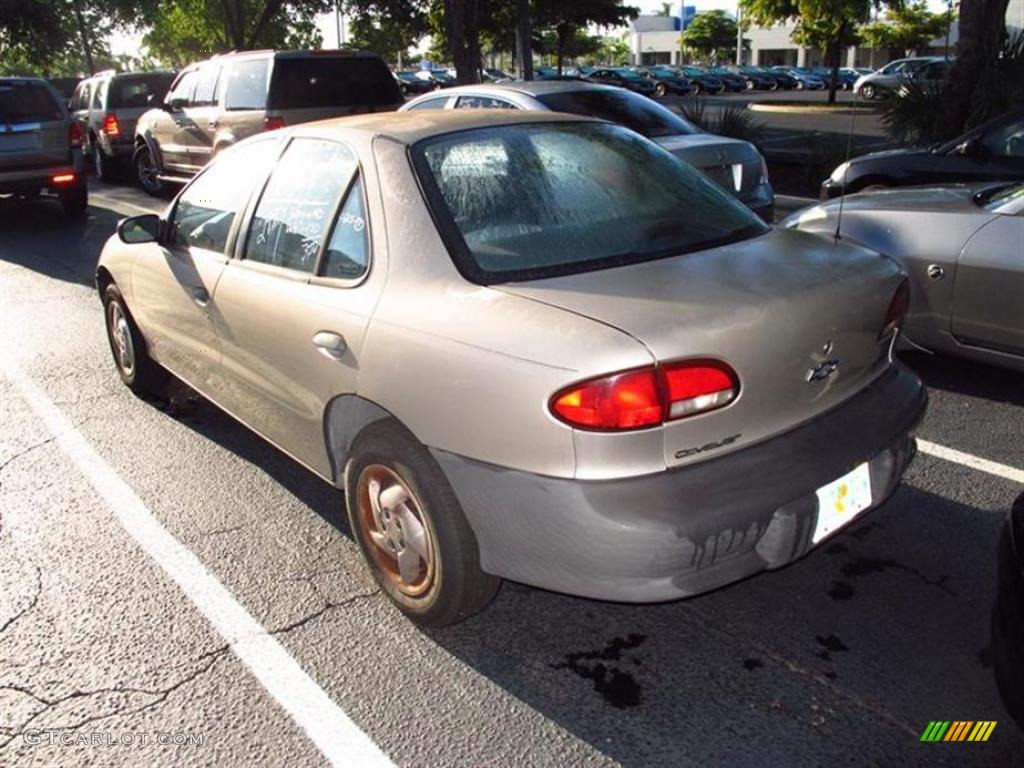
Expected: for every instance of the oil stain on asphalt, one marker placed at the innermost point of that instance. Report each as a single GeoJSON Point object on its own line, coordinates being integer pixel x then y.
{"type": "Point", "coordinates": [618, 688]}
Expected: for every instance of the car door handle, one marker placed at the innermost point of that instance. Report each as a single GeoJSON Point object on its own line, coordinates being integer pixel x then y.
{"type": "Point", "coordinates": [213, 123]}
{"type": "Point", "coordinates": [330, 344]}
{"type": "Point", "coordinates": [200, 296]}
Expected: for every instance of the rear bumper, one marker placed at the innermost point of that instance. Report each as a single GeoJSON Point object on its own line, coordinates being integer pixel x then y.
{"type": "Point", "coordinates": [28, 180]}
{"type": "Point", "coordinates": [689, 530]}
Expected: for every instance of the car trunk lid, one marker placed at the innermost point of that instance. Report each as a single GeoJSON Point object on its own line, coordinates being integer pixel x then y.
{"type": "Point", "coordinates": [732, 164]}
{"type": "Point", "coordinates": [796, 316]}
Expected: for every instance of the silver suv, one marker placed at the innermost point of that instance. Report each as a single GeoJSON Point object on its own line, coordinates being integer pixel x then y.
{"type": "Point", "coordinates": [40, 145]}
{"type": "Point", "coordinates": [107, 106]}
{"type": "Point", "coordinates": [216, 103]}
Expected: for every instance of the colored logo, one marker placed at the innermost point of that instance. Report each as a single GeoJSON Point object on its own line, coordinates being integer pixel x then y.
{"type": "Point", "coordinates": [958, 730]}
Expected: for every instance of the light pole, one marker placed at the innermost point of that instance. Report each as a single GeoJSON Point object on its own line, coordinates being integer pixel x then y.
{"type": "Point", "coordinates": [339, 26]}
{"type": "Point", "coordinates": [739, 36]}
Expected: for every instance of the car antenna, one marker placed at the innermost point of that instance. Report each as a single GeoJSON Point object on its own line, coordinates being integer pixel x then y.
{"type": "Point", "coordinates": [846, 167]}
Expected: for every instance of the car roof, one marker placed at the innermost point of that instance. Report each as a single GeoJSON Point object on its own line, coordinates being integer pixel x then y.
{"type": "Point", "coordinates": [19, 80]}
{"type": "Point", "coordinates": [526, 87]}
{"type": "Point", "coordinates": [410, 127]}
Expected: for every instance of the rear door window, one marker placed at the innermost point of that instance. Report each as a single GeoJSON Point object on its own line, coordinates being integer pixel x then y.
{"type": "Point", "coordinates": [348, 251]}
{"type": "Point", "coordinates": [134, 91]}
{"type": "Point", "coordinates": [332, 81]}
{"type": "Point", "coordinates": [296, 206]}
{"type": "Point", "coordinates": [437, 103]}
{"type": "Point", "coordinates": [27, 103]}
{"type": "Point", "coordinates": [483, 102]}
{"type": "Point", "coordinates": [246, 85]}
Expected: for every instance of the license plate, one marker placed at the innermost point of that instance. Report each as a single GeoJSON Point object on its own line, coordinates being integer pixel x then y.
{"type": "Point", "coordinates": [842, 500]}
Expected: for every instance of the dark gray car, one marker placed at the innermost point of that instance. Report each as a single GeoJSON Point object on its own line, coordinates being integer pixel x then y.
{"type": "Point", "coordinates": [40, 145]}
{"type": "Point", "coordinates": [735, 165]}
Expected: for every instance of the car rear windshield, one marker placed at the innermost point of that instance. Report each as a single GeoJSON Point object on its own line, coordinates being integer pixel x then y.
{"type": "Point", "coordinates": [27, 103]}
{"type": "Point", "coordinates": [332, 81]}
{"type": "Point", "coordinates": [623, 107]}
{"type": "Point", "coordinates": [519, 202]}
{"type": "Point", "coordinates": [135, 90]}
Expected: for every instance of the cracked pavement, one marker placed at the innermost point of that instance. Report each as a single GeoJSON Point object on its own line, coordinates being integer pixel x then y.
{"type": "Point", "coordinates": [842, 658]}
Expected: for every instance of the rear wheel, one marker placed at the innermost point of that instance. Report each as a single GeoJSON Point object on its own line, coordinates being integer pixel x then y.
{"type": "Point", "coordinates": [799, 85]}
{"type": "Point", "coordinates": [135, 367]}
{"type": "Point", "coordinates": [867, 91]}
{"type": "Point", "coordinates": [147, 172]}
{"type": "Point", "coordinates": [774, 86]}
{"type": "Point", "coordinates": [750, 85]}
{"type": "Point", "coordinates": [411, 530]}
{"type": "Point", "coordinates": [660, 90]}
{"type": "Point", "coordinates": [74, 199]}
{"type": "Point", "coordinates": [695, 89]}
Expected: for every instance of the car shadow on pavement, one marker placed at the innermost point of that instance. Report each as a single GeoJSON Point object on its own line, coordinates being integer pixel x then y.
{"type": "Point", "coordinates": [967, 377]}
{"type": "Point", "coordinates": [844, 656]}
{"type": "Point", "coordinates": [36, 235]}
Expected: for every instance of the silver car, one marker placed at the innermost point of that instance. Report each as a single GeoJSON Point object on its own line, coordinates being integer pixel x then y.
{"type": "Point", "coordinates": [889, 78]}
{"type": "Point", "coordinates": [963, 248]}
{"type": "Point", "coordinates": [527, 346]}
{"type": "Point", "coordinates": [735, 165]}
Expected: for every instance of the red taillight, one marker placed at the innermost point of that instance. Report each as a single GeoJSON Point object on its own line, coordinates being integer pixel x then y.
{"type": "Point", "coordinates": [646, 397]}
{"type": "Point", "coordinates": [110, 125]}
{"type": "Point", "coordinates": [75, 135]}
{"type": "Point", "coordinates": [63, 178]}
{"type": "Point", "coordinates": [273, 123]}
{"type": "Point", "coordinates": [698, 387]}
{"type": "Point", "coordinates": [897, 310]}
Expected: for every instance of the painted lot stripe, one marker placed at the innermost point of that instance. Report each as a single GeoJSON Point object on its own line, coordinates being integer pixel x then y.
{"type": "Point", "coordinates": [326, 724]}
{"type": "Point", "coordinates": [974, 462]}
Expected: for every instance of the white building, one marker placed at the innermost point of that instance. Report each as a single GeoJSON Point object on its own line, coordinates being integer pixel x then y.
{"type": "Point", "coordinates": [656, 40]}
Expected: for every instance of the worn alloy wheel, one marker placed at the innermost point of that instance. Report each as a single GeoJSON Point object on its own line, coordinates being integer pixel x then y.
{"type": "Point", "coordinates": [120, 339]}
{"type": "Point", "coordinates": [660, 90]}
{"type": "Point", "coordinates": [391, 517]}
{"type": "Point", "coordinates": [867, 92]}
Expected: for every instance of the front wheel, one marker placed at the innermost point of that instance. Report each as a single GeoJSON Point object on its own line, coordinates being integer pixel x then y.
{"type": "Point", "coordinates": [750, 85]}
{"type": "Point", "coordinates": [411, 530]}
{"type": "Point", "coordinates": [695, 89]}
{"type": "Point", "coordinates": [147, 174]}
{"type": "Point", "coordinates": [660, 90]}
{"type": "Point", "coordinates": [867, 92]}
{"type": "Point", "coordinates": [137, 370]}
{"type": "Point", "coordinates": [799, 85]}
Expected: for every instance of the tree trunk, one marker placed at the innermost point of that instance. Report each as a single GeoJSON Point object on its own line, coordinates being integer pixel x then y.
{"type": "Point", "coordinates": [524, 41]}
{"type": "Point", "coordinates": [463, 38]}
{"type": "Point", "coordinates": [561, 41]}
{"type": "Point", "coordinates": [86, 47]}
{"type": "Point", "coordinates": [836, 53]}
{"type": "Point", "coordinates": [982, 32]}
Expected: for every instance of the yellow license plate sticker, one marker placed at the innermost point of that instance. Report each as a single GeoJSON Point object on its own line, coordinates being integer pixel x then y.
{"type": "Point", "coordinates": [842, 500]}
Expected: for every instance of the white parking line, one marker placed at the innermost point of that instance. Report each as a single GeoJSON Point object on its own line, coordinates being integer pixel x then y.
{"type": "Point", "coordinates": [326, 724]}
{"type": "Point", "coordinates": [969, 460]}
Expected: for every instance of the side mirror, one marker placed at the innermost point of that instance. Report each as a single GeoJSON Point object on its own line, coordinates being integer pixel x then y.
{"type": "Point", "coordinates": [969, 148]}
{"type": "Point", "coordinates": [139, 229]}
{"type": "Point", "coordinates": [175, 105]}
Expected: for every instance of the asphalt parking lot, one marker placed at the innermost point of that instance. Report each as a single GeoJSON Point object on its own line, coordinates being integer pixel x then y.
{"type": "Point", "coordinates": [842, 658]}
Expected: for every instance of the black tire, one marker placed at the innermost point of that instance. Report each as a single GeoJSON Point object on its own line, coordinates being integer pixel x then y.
{"type": "Point", "coordinates": [750, 85]}
{"type": "Point", "coordinates": [660, 90]}
{"type": "Point", "coordinates": [774, 86]}
{"type": "Point", "coordinates": [867, 91]}
{"type": "Point", "coordinates": [453, 586]}
{"type": "Point", "coordinates": [799, 85]}
{"type": "Point", "coordinates": [145, 170]}
{"type": "Point", "coordinates": [143, 376]}
{"type": "Point", "coordinates": [695, 89]}
{"type": "Point", "coordinates": [74, 200]}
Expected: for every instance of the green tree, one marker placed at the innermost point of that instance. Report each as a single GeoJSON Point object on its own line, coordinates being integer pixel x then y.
{"type": "Point", "coordinates": [185, 30]}
{"type": "Point", "coordinates": [387, 33]}
{"type": "Point", "coordinates": [614, 51]}
{"type": "Point", "coordinates": [566, 19]}
{"type": "Point", "coordinates": [975, 92]}
{"type": "Point", "coordinates": [830, 25]}
{"type": "Point", "coordinates": [54, 37]}
{"type": "Point", "coordinates": [712, 34]}
{"type": "Point", "coordinates": [909, 28]}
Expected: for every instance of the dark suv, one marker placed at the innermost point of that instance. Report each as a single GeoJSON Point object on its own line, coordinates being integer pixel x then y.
{"type": "Point", "coordinates": [40, 145]}
{"type": "Point", "coordinates": [216, 103]}
{"type": "Point", "coordinates": [107, 106]}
